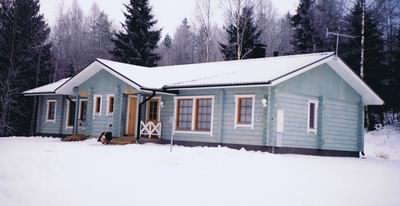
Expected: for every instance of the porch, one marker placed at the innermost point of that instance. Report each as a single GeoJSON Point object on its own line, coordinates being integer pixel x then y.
{"type": "Point", "coordinates": [150, 132]}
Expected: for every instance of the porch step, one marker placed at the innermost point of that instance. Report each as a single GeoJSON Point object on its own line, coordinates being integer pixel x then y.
{"type": "Point", "coordinates": [123, 140]}
{"type": "Point", "coordinates": [150, 140]}
{"type": "Point", "coordinates": [132, 140]}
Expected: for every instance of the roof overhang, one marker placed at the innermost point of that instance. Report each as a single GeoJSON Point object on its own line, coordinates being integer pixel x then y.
{"type": "Point", "coordinates": [301, 70]}
{"type": "Point", "coordinates": [39, 94]}
{"type": "Point", "coordinates": [369, 97]}
{"type": "Point", "coordinates": [93, 68]}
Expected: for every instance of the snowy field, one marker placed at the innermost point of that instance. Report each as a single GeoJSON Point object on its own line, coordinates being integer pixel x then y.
{"type": "Point", "coordinates": [46, 171]}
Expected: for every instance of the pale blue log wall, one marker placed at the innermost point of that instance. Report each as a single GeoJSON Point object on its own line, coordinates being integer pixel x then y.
{"type": "Point", "coordinates": [223, 130]}
{"type": "Point", "coordinates": [103, 83]}
{"type": "Point", "coordinates": [340, 108]}
{"type": "Point", "coordinates": [44, 127]}
{"type": "Point", "coordinates": [340, 116]}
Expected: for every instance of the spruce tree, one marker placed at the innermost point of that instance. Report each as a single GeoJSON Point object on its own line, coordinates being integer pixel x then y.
{"type": "Point", "coordinates": [396, 74]}
{"type": "Point", "coordinates": [304, 38]}
{"type": "Point", "coordinates": [247, 45]}
{"type": "Point", "coordinates": [167, 42]}
{"type": "Point", "coordinates": [373, 67]}
{"type": "Point", "coordinates": [24, 62]}
{"type": "Point", "coordinates": [183, 44]}
{"type": "Point", "coordinates": [137, 42]}
{"type": "Point", "coordinates": [376, 74]}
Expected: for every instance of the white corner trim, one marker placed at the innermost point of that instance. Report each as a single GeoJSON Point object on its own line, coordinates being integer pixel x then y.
{"type": "Point", "coordinates": [194, 107]}
{"type": "Point", "coordinates": [312, 130]}
{"type": "Point", "coordinates": [236, 124]}
{"type": "Point", "coordinates": [67, 116]}
{"type": "Point", "coordinates": [94, 105]}
{"type": "Point", "coordinates": [47, 111]}
{"type": "Point", "coordinates": [108, 113]}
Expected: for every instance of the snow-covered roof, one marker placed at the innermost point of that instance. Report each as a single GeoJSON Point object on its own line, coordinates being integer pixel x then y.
{"type": "Point", "coordinates": [264, 71]}
{"type": "Point", "coordinates": [248, 71]}
{"type": "Point", "coordinates": [46, 89]}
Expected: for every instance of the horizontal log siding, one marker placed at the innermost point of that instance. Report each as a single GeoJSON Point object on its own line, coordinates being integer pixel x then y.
{"type": "Point", "coordinates": [338, 113]}
{"type": "Point", "coordinates": [231, 135]}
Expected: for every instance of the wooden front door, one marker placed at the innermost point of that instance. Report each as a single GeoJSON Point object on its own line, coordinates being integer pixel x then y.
{"type": "Point", "coordinates": [131, 119]}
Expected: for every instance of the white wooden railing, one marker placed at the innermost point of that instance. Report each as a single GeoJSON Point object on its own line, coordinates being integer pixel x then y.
{"type": "Point", "coordinates": [81, 124]}
{"type": "Point", "coordinates": [150, 129]}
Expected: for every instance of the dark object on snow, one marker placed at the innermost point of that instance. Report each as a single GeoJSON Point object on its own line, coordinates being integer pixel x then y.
{"type": "Point", "coordinates": [106, 136]}
{"type": "Point", "coordinates": [74, 138]}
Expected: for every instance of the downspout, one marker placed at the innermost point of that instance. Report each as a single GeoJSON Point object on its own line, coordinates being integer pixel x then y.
{"type": "Point", "coordinates": [140, 114]}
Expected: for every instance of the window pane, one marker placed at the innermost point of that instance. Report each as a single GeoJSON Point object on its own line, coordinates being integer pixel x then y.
{"type": "Point", "coordinates": [71, 114]}
{"type": "Point", "coordinates": [203, 119]}
{"type": "Point", "coordinates": [153, 111]}
{"type": "Point", "coordinates": [97, 105]}
{"type": "Point", "coordinates": [82, 115]}
{"type": "Point", "coordinates": [312, 116]}
{"type": "Point", "coordinates": [245, 110]}
{"type": "Point", "coordinates": [111, 105]}
{"type": "Point", "coordinates": [184, 115]}
{"type": "Point", "coordinates": [51, 111]}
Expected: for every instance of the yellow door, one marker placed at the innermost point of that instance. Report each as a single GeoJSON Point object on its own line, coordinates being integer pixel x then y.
{"type": "Point", "coordinates": [132, 104]}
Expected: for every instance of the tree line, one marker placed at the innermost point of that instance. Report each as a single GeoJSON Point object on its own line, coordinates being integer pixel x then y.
{"type": "Point", "coordinates": [33, 54]}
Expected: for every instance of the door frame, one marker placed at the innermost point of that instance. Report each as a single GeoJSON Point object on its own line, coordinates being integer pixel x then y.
{"type": "Point", "coordinates": [127, 114]}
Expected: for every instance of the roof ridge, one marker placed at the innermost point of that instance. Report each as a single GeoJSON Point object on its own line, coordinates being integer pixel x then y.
{"type": "Point", "coordinates": [247, 60]}
{"type": "Point", "coordinates": [220, 62]}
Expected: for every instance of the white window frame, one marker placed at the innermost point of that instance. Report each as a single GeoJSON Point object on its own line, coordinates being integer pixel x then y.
{"type": "Point", "coordinates": [108, 113]}
{"type": "Point", "coordinates": [47, 110]}
{"type": "Point", "coordinates": [158, 99]}
{"type": "Point", "coordinates": [79, 112]}
{"type": "Point", "coordinates": [236, 119]}
{"type": "Point", "coordinates": [316, 103]}
{"type": "Point", "coordinates": [94, 105]}
{"type": "Point", "coordinates": [194, 107]}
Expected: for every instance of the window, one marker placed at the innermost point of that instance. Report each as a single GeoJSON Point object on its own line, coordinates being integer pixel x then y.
{"type": "Point", "coordinates": [184, 117]}
{"type": "Point", "coordinates": [244, 110]}
{"type": "Point", "coordinates": [71, 113]}
{"type": "Point", "coordinates": [83, 110]}
{"type": "Point", "coordinates": [51, 111]}
{"type": "Point", "coordinates": [194, 114]}
{"type": "Point", "coordinates": [110, 105]}
{"type": "Point", "coordinates": [153, 110]}
{"type": "Point", "coordinates": [312, 116]}
{"type": "Point", "coordinates": [97, 105]}
{"type": "Point", "coordinates": [203, 114]}
{"type": "Point", "coordinates": [81, 113]}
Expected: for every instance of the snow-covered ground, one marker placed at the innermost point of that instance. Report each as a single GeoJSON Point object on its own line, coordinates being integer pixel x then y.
{"type": "Point", "coordinates": [46, 171]}
{"type": "Point", "coordinates": [384, 143]}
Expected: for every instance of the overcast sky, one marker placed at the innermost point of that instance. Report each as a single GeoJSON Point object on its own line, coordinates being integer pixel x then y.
{"type": "Point", "coordinates": [169, 13]}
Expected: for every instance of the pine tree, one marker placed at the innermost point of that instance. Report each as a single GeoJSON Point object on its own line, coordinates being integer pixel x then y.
{"type": "Point", "coordinates": [99, 35]}
{"type": "Point", "coordinates": [165, 51]}
{"type": "Point", "coordinates": [328, 14]}
{"type": "Point", "coordinates": [396, 73]}
{"type": "Point", "coordinates": [137, 42]}
{"type": "Point", "coordinates": [183, 44]}
{"type": "Point", "coordinates": [373, 45]}
{"type": "Point", "coordinates": [167, 42]}
{"type": "Point", "coordinates": [247, 44]}
{"type": "Point", "coordinates": [375, 72]}
{"type": "Point", "coordinates": [24, 62]}
{"type": "Point", "coordinates": [304, 36]}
